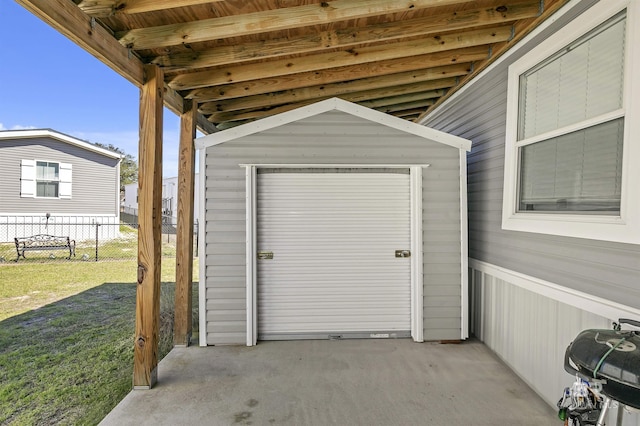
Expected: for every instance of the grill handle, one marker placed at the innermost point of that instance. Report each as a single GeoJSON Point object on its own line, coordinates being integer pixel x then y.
{"type": "Point", "coordinates": [629, 321]}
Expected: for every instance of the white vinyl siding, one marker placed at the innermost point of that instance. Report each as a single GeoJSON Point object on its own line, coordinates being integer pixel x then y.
{"type": "Point", "coordinates": [528, 330]}
{"type": "Point", "coordinates": [333, 237]}
{"type": "Point", "coordinates": [89, 186]}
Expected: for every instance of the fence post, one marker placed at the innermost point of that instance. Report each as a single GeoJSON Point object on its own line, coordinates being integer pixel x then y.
{"type": "Point", "coordinates": [97, 224]}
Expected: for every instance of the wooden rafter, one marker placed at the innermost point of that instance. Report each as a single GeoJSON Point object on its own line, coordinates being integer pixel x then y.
{"type": "Point", "coordinates": [267, 21]}
{"type": "Point", "coordinates": [345, 38]}
{"type": "Point", "coordinates": [338, 75]}
{"type": "Point", "coordinates": [350, 57]}
{"type": "Point", "coordinates": [403, 99]}
{"type": "Point", "coordinates": [105, 8]}
{"type": "Point", "coordinates": [352, 96]}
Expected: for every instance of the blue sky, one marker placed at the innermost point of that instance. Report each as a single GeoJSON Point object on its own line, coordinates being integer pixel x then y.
{"type": "Point", "coordinates": [47, 81]}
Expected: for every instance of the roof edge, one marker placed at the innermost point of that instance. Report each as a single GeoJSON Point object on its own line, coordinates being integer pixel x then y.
{"type": "Point", "coordinates": [331, 104]}
{"type": "Point", "coordinates": [36, 133]}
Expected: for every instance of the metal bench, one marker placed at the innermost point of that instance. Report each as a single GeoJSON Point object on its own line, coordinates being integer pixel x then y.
{"type": "Point", "coordinates": [44, 242]}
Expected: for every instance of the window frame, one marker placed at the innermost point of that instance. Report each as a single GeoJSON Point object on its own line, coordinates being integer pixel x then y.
{"type": "Point", "coordinates": [624, 227]}
{"type": "Point", "coordinates": [48, 181]}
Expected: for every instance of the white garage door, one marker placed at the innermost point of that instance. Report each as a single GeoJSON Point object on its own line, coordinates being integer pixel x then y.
{"type": "Point", "coordinates": [327, 264]}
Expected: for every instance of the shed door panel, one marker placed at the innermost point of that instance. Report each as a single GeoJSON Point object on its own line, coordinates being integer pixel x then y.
{"type": "Point", "coordinates": [334, 271]}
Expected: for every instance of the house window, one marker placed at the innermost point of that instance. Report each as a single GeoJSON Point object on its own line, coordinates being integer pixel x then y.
{"type": "Point", "coordinates": [576, 95]}
{"type": "Point", "coordinates": [569, 121]}
{"type": "Point", "coordinates": [47, 179]}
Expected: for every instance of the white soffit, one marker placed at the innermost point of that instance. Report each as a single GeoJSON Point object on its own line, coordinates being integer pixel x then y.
{"type": "Point", "coordinates": [332, 104]}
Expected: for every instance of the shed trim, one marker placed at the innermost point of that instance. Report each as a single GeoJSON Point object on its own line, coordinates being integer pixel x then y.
{"type": "Point", "coordinates": [417, 266]}
{"type": "Point", "coordinates": [331, 105]}
{"type": "Point", "coordinates": [464, 249]}
{"type": "Point", "coordinates": [417, 281]}
{"type": "Point", "coordinates": [202, 253]}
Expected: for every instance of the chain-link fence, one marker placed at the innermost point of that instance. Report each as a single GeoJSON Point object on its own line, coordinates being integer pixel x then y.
{"type": "Point", "coordinates": [82, 242]}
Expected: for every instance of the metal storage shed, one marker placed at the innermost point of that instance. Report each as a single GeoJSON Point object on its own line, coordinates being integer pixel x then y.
{"type": "Point", "coordinates": [332, 221]}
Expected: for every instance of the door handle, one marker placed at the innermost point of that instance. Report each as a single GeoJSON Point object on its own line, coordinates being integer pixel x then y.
{"type": "Point", "coordinates": [265, 255]}
{"type": "Point", "coordinates": [403, 253]}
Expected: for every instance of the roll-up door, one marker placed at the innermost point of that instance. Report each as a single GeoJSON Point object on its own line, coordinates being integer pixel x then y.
{"type": "Point", "coordinates": [333, 253]}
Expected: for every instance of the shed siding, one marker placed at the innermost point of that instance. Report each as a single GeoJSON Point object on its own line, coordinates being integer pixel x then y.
{"type": "Point", "coordinates": [94, 179]}
{"type": "Point", "coordinates": [604, 269]}
{"type": "Point", "coordinates": [329, 138]}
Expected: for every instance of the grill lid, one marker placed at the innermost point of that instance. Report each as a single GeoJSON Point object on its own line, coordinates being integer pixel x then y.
{"type": "Point", "coordinates": [611, 355]}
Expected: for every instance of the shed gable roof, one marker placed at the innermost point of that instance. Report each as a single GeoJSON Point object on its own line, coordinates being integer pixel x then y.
{"type": "Point", "coordinates": [333, 104]}
{"type": "Point", "coordinates": [52, 134]}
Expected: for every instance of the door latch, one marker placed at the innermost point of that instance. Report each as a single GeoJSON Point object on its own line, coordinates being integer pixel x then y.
{"type": "Point", "coordinates": [265, 255]}
{"type": "Point", "coordinates": [403, 253]}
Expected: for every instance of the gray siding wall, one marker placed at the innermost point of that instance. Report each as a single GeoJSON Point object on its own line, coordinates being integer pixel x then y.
{"type": "Point", "coordinates": [604, 269]}
{"type": "Point", "coordinates": [94, 178]}
{"type": "Point", "coordinates": [329, 138]}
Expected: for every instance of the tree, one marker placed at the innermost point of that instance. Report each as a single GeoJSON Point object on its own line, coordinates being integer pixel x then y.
{"type": "Point", "coordinates": [128, 165]}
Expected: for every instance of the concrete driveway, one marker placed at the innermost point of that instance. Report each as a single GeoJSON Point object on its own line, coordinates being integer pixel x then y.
{"type": "Point", "coordinates": [347, 382]}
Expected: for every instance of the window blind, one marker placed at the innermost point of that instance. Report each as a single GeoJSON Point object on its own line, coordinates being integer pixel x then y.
{"type": "Point", "coordinates": [582, 81]}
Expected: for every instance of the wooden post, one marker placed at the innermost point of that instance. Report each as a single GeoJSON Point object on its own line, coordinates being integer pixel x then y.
{"type": "Point", "coordinates": [184, 238]}
{"type": "Point", "coordinates": [149, 229]}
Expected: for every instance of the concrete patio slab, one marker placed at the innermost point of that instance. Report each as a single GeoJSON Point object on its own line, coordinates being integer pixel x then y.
{"type": "Point", "coordinates": [348, 382]}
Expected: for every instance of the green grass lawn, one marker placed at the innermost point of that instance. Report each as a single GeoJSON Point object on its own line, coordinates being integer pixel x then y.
{"type": "Point", "coordinates": [66, 338]}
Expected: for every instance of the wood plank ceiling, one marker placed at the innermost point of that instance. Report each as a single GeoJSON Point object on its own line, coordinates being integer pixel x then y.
{"type": "Point", "coordinates": [241, 60]}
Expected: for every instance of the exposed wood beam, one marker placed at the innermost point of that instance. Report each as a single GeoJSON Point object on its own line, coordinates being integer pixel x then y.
{"type": "Point", "coordinates": [267, 21]}
{"type": "Point", "coordinates": [184, 235]}
{"type": "Point", "coordinates": [411, 112]}
{"type": "Point", "coordinates": [408, 108]}
{"type": "Point", "coordinates": [427, 90]}
{"type": "Point", "coordinates": [403, 99]}
{"type": "Point", "coordinates": [521, 29]}
{"type": "Point", "coordinates": [389, 89]}
{"type": "Point", "coordinates": [149, 230]}
{"type": "Point", "coordinates": [337, 75]}
{"type": "Point", "coordinates": [106, 8]}
{"type": "Point", "coordinates": [389, 92]}
{"type": "Point", "coordinates": [411, 117]}
{"type": "Point", "coordinates": [351, 57]}
{"type": "Point", "coordinates": [227, 55]}
{"type": "Point", "coordinates": [255, 114]}
{"type": "Point", "coordinates": [175, 103]}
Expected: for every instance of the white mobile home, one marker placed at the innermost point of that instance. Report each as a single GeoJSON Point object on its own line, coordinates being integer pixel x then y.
{"type": "Point", "coordinates": [52, 183]}
{"type": "Point", "coordinates": [554, 206]}
{"type": "Point", "coordinates": [332, 221]}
